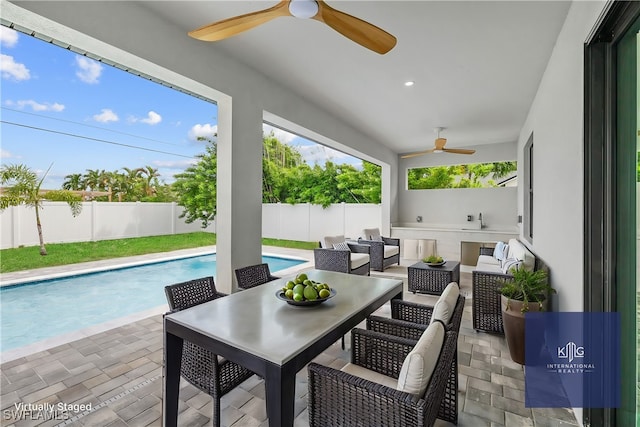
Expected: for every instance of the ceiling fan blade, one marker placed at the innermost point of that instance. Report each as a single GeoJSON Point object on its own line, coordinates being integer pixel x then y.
{"type": "Point", "coordinates": [458, 150]}
{"type": "Point", "coordinates": [230, 27]}
{"type": "Point", "coordinates": [419, 153]}
{"type": "Point", "coordinates": [361, 32]}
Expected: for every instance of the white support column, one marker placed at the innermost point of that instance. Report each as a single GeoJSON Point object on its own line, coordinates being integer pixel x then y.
{"type": "Point", "coordinates": [239, 199]}
{"type": "Point", "coordinates": [385, 227]}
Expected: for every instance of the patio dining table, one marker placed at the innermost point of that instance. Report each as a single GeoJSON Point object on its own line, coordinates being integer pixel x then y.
{"type": "Point", "coordinates": [269, 336]}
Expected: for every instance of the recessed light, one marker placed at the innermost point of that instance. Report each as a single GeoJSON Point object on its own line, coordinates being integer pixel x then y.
{"type": "Point", "coordinates": [409, 83]}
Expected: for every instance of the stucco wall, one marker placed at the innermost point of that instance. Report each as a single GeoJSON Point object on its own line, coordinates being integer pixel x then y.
{"type": "Point", "coordinates": [451, 206]}
{"type": "Point", "coordinates": [556, 120]}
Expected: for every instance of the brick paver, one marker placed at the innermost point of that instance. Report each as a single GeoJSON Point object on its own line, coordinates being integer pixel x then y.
{"type": "Point", "coordinates": [118, 372]}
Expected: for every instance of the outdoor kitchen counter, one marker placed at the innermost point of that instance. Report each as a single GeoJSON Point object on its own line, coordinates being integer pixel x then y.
{"type": "Point", "coordinates": [449, 240]}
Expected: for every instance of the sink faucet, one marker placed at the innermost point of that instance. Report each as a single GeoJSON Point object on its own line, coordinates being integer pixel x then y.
{"type": "Point", "coordinates": [480, 219]}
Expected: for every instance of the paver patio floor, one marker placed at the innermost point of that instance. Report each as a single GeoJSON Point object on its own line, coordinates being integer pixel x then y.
{"type": "Point", "coordinates": [119, 374]}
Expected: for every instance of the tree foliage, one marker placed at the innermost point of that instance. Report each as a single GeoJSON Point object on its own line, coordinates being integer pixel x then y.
{"type": "Point", "coordinates": [125, 185]}
{"type": "Point", "coordinates": [21, 186]}
{"type": "Point", "coordinates": [196, 187]}
{"type": "Point", "coordinates": [477, 175]}
{"type": "Point", "coordinates": [286, 178]}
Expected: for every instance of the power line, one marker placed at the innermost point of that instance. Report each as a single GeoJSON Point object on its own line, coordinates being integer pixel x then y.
{"type": "Point", "coordinates": [95, 139]}
{"type": "Point", "coordinates": [84, 124]}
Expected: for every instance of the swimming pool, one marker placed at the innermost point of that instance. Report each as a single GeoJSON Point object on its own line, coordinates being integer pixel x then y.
{"type": "Point", "coordinates": [38, 310]}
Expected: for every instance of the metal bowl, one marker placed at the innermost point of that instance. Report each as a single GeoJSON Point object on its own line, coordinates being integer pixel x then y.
{"type": "Point", "coordinates": [307, 303]}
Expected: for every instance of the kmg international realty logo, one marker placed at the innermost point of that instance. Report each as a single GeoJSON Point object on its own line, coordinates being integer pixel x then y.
{"type": "Point", "coordinates": [570, 351]}
{"type": "Point", "coordinates": [572, 360]}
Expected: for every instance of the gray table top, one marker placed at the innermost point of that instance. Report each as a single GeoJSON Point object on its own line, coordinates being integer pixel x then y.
{"type": "Point", "coordinates": [447, 266]}
{"type": "Point", "coordinates": [258, 322]}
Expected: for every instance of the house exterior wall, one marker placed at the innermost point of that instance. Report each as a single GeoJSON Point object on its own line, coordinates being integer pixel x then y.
{"type": "Point", "coordinates": [556, 121]}
{"type": "Point", "coordinates": [451, 206]}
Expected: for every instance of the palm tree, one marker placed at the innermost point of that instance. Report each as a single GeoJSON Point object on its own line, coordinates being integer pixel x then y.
{"type": "Point", "coordinates": [24, 188]}
{"type": "Point", "coordinates": [151, 173]}
{"type": "Point", "coordinates": [74, 182]}
{"type": "Point", "coordinates": [121, 185]}
{"type": "Point", "coordinates": [98, 180]}
{"type": "Point", "coordinates": [134, 183]}
{"type": "Point", "coordinates": [93, 179]}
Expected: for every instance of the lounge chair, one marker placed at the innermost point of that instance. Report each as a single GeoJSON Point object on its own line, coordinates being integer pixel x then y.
{"type": "Point", "coordinates": [337, 254]}
{"type": "Point", "coordinates": [385, 251]}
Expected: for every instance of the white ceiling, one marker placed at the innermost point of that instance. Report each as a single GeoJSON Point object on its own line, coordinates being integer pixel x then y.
{"type": "Point", "coordinates": [476, 64]}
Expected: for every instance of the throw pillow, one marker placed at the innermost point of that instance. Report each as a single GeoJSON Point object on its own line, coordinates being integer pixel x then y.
{"type": "Point", "coordinates": [342, 246]}
{"type": "Point", "coordinates": [421, 361]}
{"type": "Point", "coordinates": [505, 252]}
{"type": "Point", "coordinates": [508, 264]}
{"type": "Point", "coordinates": [329, 241]}
{"type": "Point", "coordinates": [498, 252]}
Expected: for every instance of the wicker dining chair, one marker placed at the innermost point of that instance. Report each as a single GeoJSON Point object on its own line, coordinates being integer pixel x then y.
{"type": "Point", "coordinates": [410, 320]}
{"type": "Point", "coordinates": [205, 370]}
{"type": "Point", "coordinates": [254, 275]}
{"type": "Point", "coordinates": [339, 398]}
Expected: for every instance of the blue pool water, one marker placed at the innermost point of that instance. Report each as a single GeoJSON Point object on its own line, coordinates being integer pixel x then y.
{"type": "Point", "coordinates": [36, 311]}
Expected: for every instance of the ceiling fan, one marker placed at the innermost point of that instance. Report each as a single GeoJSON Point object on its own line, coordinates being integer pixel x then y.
{"type": "Point", "coordinates": [439, 148]}
{"type": "Point", "coordinates": [361, 32]}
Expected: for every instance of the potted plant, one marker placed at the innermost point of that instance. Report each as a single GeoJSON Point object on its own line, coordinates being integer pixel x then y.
{"type": "Point", "coordinates": [526, 291]}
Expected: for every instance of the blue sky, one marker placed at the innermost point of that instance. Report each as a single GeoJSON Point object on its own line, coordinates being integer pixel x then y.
{"type": "Point", "coordinates": [63, 108]}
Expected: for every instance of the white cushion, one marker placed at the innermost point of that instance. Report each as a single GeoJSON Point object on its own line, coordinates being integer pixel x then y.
{"type": "Point", "coordinates": [329, 241]}
{"type": "Point", "coordinates": [421, 361]}
{"type": "Point", "coordinates": [488, 268]}
{"type": "Point", "coordinates": [390, 250]}
{"type": "Point", "coordinates": [358, 260]}
{"type": "Point", "coordinates": [370, 375]}
{"type": "Point", "coordinates": [450, 295]}
{"type": "Point", "coordinates": [442, 312]}
{"type": "Point", "coordinates": [488, 259]}
{"type": "Point", "coordinates": [342, 246]}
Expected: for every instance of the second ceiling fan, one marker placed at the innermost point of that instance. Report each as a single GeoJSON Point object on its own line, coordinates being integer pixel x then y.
{"type": "Point", "coordinates": [361, 32]}
{"type": "Point", "coordinates": [439, 148]}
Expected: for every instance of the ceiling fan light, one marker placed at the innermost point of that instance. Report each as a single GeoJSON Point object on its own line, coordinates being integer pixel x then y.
{"type": "Point", "coordinates": [438, 151]}
{"type": "Point", "coordinates": [303, 9]}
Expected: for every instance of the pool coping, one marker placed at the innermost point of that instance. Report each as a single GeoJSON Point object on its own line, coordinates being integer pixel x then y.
{"type": "Point", "coordinates": [112, 264]}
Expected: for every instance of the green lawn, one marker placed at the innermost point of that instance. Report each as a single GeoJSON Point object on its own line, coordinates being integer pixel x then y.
{"type": "Point", "coordinates": [28, 258]}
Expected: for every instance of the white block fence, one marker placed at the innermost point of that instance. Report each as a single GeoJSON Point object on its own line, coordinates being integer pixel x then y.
{"type": "Point", "coordinates": [115, 220]}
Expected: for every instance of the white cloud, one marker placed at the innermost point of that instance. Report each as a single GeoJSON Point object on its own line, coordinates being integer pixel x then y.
{"type": "Point", "coordinates": [281, 135]}
{"type": "Point", "coordinates": [13, 70]}
{"type": "Point", "coordinates": [8, 37]}
{"type": "Point", "coordinates": [320, 154]}
{"type": "Point", "coordinates": [106, 116]}
{"type": "Point", "coordinates": [36, 106]}
{"type": "Point", "coordinates": [206, 130]}
{"type": "Point", "coordinates": [175, 164]}
{"type": "Point", "coordinates": [4, 154]}
{"type": "Point", "coordinates": [153, 118]}
{"type": "Point", "coordinates": [89, 71]}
